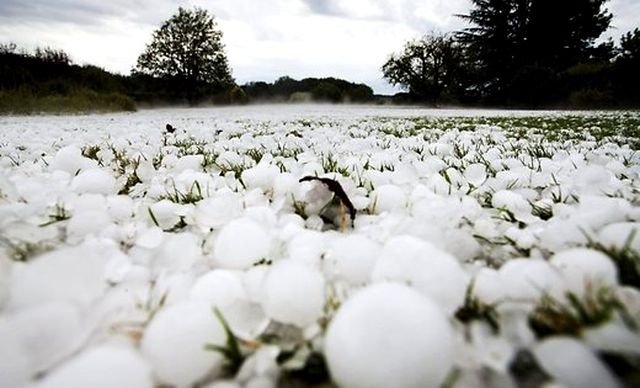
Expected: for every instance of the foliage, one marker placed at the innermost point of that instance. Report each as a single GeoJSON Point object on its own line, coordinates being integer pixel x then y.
{"type": "Point", "coordinates": [426, 67]}
{"type": "Point", "coordinates": [319, 89]}
{"type": "Point", "coordinates": [188, 47]}
{"type": "Point", "coordinates": [508, 36]}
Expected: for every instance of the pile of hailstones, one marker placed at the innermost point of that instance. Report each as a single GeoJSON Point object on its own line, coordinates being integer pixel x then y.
{"type": "Point", "coordinates": [112, 294]}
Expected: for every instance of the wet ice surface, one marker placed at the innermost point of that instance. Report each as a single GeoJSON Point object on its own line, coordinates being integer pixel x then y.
{"type": "Point", "coordinates": [476, 246]}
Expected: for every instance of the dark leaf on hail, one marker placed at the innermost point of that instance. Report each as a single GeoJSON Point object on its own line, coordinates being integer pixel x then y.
{"type": "Point", "coordinates": [337, 190]}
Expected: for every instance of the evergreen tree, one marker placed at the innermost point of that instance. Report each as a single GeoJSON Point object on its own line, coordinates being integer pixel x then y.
{"type": "Point", "coordinates": [520, 46]}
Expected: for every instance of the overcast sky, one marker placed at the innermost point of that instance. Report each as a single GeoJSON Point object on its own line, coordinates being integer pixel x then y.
{"type": "Point", "coordinates": [264, 39]}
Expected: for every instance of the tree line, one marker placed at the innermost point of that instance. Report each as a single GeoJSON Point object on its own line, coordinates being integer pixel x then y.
{"type": "Point", "coordinates": [523, 53]}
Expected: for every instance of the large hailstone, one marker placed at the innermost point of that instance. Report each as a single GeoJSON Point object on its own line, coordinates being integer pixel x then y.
{"type": "Point", "coordinates": [224, 289]}
{"type": "Point", "coordinates": [293, 292]}
{"type": "Point", "coordinates": [174, 343]}
{"type": "Point", "coordinates": [218, 210]}
{"type": "Point", "coordinates": [582, 268]}
{"type": "Point", "coordinates": [106, 366]}
{"type": "Point", "coordinates": [351, 258]}
{"type": "Point", "coordinates": [572, 364]}
{"type": "Point", "coordinates": [70, 159]}
{"type": "Point", "coordinates": [94, 181]}
{"type": "Point", "coordinates": [389, 335]}
{"type": "Point", "coordinates": [240, 244]}
{"type": "Point", "coordinates": [68, 274]}
{"type": "Point", "coordinates": [47, 332]}
{"type": "Point", "coordinates": [388, 198]}
{"type": "Point", "coordinates": [433, 272]}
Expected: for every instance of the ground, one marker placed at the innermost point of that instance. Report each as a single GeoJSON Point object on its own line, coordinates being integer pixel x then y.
{"type": "Point", "coordinates": [494, 248]}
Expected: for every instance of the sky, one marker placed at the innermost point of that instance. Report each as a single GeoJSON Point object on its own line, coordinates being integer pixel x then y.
{"type": "Point", "coordinates": [264, 39]}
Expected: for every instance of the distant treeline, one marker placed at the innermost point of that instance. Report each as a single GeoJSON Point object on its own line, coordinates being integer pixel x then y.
{"type": "Point", "coordinates": [46, 80]}
{"type": "Point", "coordinates": [286, 89]}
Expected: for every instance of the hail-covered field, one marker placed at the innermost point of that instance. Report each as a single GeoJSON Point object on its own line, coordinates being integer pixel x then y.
{"type": "Point", "coordinates": [488, 248]}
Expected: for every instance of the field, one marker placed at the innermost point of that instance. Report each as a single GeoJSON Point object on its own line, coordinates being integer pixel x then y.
{"type": "Point", "coordinates": [486, 248]}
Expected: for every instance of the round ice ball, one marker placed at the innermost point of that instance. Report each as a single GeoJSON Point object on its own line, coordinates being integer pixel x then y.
{"type": "Point", "coordinates": [218, 210]}
{"type": "Point", "coordinates": [106, 366]}
{"type": "Point", "coordinates": [389, 335]}
{"type": "Point", "coordinates": [435, 273]}
{"type": "Point", "coordinates": [351, 258]}
{"type": "Point", "coordinates": [164, 213]}
{"type": "Point", "coordinates": [621, 235]}
{"type": "Point", "coordinates": [572, 364]}
{"type": "Point", "coordinates": [70, 159]}
{"type": "Point", "coordinates": [261, 176]}
{"type": "Point", "coordinates": [475, 174]}
{"type": "Point", "coordinates": [240, 244]}
{"type": "Point", "coordinates": [175, 340]}
{"type": "Point", "coordinates": [388, 198]}
{"type": "Point", "coordinates": [94, 181]}
{"type": "Point", "coordinates": [71, 274]}
{"type": "Point", "coordinates": [582, 268]}
{"type": "Point", "coordinates": [293, 292]}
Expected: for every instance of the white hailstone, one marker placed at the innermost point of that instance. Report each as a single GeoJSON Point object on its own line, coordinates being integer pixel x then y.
{"type": "Point", "coordinates": [104, 366]}
{"type": "Point", "coordinates": [593, 179]}
{"type": "Point", "coordinates": [5, 276]}
{"type": "Point", "coordinates": [70, 159]}
{"type": "Point", "coordinates": [308, 246]}
{"type": "Point", "coordinates": [293, 292]}
{"type": "Point", "coordinates": [178, 252]}
{"type": "Point", "coordinates": [120, 207]}
{"type": "Point", "coordinates": [612, 337]}
{"type": "Point", "coordinates": [145, 171]}
{"type": "Point", "coordinates": [529, 279]}
{"type": "Point", "coordinates": [252, 282]}
{"type": "Point", "coordinates": [15, 365]}
{"type": "Point", "coordinates": [438, 184]}
{"type": "Point", "coordinates": [175, 339]}
{"type": "Point", "coordinates": [47, 333]}
{"type": "Point", "coordinates": [388, 198]}
{"type": "Point", "coordinates": [94, 181]}
{"type": "Point", "coordinates": [261, 176]}
{"type": "Point", "coordinates": [223, 384]}
{"type": "Point", "coordinates": [224, 289]}
{"type": "Point", "coordinates": [460, 244]}
{"type": "Point", "coordinates": [165, 213]}
{"type": "Point", "coordinates": [511, 201]}
{"type": "Point", "coordinates": [621, 235]}
{"type": "Point", "coordinates": [68, 274]}
{"type": "Point", "coordinates": [284, 185]}
{"type": "Point", "coordinates": [572, 364]}
{"type": "Point", "coordinates": [488, 286]}
{"type": "Point", "coordinates": [228, 158]}
{"type": "Point", "coordinates": [89, 222]}
{"type": "Point", "coordinates": [433, 272]}
{"type": "Point", "coordinates": [351, 258]}
{"type": "Point", "coordinates": [582, 268]}
{"type": "Point", "coordinates": [263, 215]}
{"type": "Point", "coordinates": [172, 287]}
{"type": "Point", "coordinates": [475, 174]}
{"type": "Point", "coordinates": [219, 287]}
{"type": "Point", "coordinates": [218, 210]}
{"type": "Point", "coordinates": [240, 244]}
{"type": "Point", "coordinates": [150, 238]}
{"type": "Point", "coordinates": [389, 335]}
{"type": "Point", "coordinates": [189, 162]}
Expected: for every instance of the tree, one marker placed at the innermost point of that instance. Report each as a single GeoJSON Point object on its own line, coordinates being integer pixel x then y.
{"type": "Point", "coordinates": [509, 38]}
{"type": "Point", "coordinates": [188, 49]}
{"type": "Point", "coordinates": [426, 67]}
{"type": "Point", "coordinates": [626, 76]}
